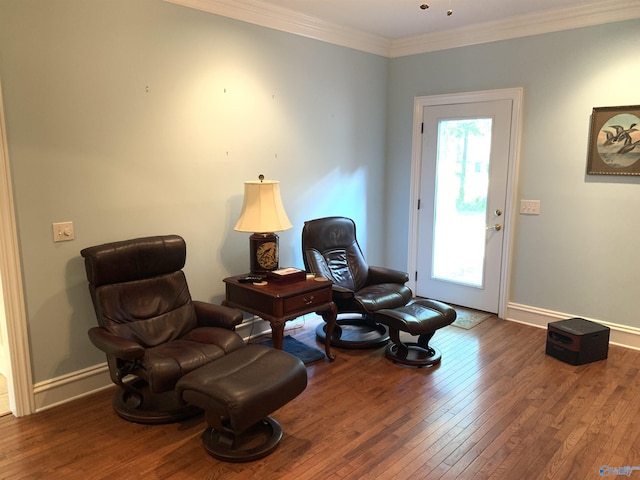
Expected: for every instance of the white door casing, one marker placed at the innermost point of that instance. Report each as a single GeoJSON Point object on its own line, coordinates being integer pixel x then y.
{"type": "Point", "coordinates": [498, 243]}
{"type": "Point", "coordinates": [14, 332]}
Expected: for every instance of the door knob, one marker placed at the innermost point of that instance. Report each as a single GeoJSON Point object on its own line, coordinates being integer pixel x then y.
{"type": "Point", "coordinates": [497, 227]}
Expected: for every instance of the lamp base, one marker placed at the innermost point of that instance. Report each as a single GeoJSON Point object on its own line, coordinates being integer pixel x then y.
{"type": "Point", "coordinates": [265, 253]}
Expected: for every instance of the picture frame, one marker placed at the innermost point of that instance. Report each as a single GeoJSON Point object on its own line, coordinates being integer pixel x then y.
{"type": "Point", "coordinates": [614, 141]}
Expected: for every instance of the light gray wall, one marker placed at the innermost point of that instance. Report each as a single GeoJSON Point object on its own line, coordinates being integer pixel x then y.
{"type": "Point", "coordinates": [88, 142]}
{"type": "Point", "coordinates": [140, 117]}
{"type": "Point", "coordinates": [580, 255]}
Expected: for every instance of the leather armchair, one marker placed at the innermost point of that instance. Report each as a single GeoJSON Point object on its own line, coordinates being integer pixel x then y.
{"type": "Point", "coordinates": [330, 249]}
{"type": "Point", "coordinates": [150, 329]}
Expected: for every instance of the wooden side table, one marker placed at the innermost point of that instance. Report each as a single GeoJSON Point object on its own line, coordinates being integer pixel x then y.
{"type": "Point", "coordinates": [279, 303]}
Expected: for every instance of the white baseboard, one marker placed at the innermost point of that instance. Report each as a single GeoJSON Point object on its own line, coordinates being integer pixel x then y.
{"type": "Point", "coordinates": [72, 386]}
{"type": "Point", "coordinates": [621, 335]}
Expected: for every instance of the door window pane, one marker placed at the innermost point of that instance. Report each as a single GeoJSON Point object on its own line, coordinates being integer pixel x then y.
{"type": "Point", "coordinates": [462, 181]}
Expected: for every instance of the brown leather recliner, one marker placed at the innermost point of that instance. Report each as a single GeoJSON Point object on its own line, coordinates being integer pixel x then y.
{"type": "Point", "coordinates": [173, 357]}
{"type": "Point", "coordinates": [151, 330]}
{"type": "Point", "coordinates": [330, 249]}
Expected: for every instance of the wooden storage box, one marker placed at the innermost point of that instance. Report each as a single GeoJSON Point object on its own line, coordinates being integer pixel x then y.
{"type": "Point", "coordinates": [577, 341]}
{"type": "Point", "coordinates": [286, 276]}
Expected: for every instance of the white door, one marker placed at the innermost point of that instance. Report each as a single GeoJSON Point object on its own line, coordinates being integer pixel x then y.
{"type": "Point", "coordinates": [462, 202]}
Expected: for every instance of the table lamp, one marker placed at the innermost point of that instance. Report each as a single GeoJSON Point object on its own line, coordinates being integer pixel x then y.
{"type": "Point", "coordinates": [263, 214]}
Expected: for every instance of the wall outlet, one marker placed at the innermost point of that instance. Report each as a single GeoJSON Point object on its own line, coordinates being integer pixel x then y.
{"type": "Point", "coordinates": [530, 207]}
{"type": "Point", "coordinates": [63, 231]}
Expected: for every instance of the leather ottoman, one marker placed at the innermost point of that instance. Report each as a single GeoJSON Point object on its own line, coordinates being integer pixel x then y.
{"type": "Point", "coordinates": [421, 317]}
{"type": "Point", "coordinates": [238, 393]}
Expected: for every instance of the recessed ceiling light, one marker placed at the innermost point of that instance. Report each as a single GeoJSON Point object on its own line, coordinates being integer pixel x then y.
{"type": "Point", "coordinates": [424, 6]}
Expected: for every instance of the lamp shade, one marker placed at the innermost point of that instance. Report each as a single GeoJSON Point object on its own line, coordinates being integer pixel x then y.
{"type": "Point", "coordinates": [262, 210]}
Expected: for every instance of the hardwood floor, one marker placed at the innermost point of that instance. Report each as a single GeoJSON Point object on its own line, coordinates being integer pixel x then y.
{"type": "Point", "coordinates": [496, 407]}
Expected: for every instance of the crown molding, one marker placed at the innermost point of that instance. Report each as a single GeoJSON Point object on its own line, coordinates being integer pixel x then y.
{"type": "Point", "coordinates": [260, 13]}
{"type": "Point", "coordinates": [278, 18]}
{"type": "Point", "coordinates": [534, 24]}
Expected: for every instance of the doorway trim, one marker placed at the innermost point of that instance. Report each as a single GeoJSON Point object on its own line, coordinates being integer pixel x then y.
{"type": "Point", "coordinates": [419, 104]}
{"type": "Point", "coordinates": [14, 330]}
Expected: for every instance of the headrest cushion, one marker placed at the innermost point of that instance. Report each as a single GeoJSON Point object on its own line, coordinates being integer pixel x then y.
{"type": "Point", "coordinates": [135, 259]}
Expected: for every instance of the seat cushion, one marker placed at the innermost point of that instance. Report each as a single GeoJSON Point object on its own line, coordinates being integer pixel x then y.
{"type": "Point", "coordinates": [417, 318]}
{"type": "Point", "coordinates": [383, 295]}
{"type": "Point", "coordinates": [163, 365]}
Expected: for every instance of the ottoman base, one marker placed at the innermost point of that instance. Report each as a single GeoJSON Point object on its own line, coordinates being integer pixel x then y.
{"type": "Point", "coordinates": [257, 442]}
{"type": "Point", "coordinates": [416, 356]}
{"type": "Point", "coordinates": [422, 318]}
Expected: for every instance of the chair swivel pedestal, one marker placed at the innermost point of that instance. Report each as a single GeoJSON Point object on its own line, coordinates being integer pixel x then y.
{"type": "Point", "coordinates": [355, 331]}
{"type": "Point", "coordinates": [422, 318]}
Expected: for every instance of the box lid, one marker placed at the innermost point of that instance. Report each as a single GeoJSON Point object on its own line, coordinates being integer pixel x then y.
{"type": "Point", "coordinates": [578, 326]}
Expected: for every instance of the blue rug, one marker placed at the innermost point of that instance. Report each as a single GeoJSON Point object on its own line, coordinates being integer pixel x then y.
{"type": "Point", "coordinates": [298, 349]}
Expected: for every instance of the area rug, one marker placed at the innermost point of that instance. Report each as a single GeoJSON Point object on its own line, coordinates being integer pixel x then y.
{"type": "Point", "coordinates": [298, 349]}
{"type": "Point", "coordinates": [468, 318]}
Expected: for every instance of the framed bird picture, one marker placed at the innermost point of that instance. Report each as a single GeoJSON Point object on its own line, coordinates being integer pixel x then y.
{"type": "Point", "coordinates": [614, 141]}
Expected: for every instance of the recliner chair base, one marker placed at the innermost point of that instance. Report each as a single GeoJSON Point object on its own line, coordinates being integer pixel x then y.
{"type": "Point", "coordinates": [150, 408]}
{"type": "Point", "coordinates": [355, 333]}
{"type": "Point", "coordinates": [257, 442]}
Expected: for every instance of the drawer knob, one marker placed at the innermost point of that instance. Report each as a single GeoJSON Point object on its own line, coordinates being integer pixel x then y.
{"type": "Point", "coordinates": [308, 300]}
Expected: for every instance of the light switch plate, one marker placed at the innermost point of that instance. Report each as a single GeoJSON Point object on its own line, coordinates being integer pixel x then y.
{"type": "Point", "coordinates": [63, 232]}
{"type": "Point", "coordinates": [530, 207]}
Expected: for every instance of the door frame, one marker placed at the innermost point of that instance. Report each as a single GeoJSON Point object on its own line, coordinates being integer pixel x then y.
{"type": "Point", "coordinates": [14, 329]}
{"type": "Point", "coordinates": [419, 104]}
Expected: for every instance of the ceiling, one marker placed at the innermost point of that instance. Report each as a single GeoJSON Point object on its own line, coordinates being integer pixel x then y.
{"type": "Point", "coordinates": [394, 19]}
{"type": "Point", "coordinates": [401, 27]}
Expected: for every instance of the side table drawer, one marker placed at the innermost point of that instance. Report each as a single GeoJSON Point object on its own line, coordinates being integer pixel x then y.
{"type": "Point", "coordinates": [306, 301]}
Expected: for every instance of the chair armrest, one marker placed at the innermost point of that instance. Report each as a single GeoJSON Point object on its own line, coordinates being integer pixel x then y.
{"type": "Point", "coordinates": [386, 275]}
{"type": "Point", "coordinates": [341, 293]}
{"type": "Point", "coordinates": [212, 315]}
{"type": "Point", "coordinates": [115, 346]}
